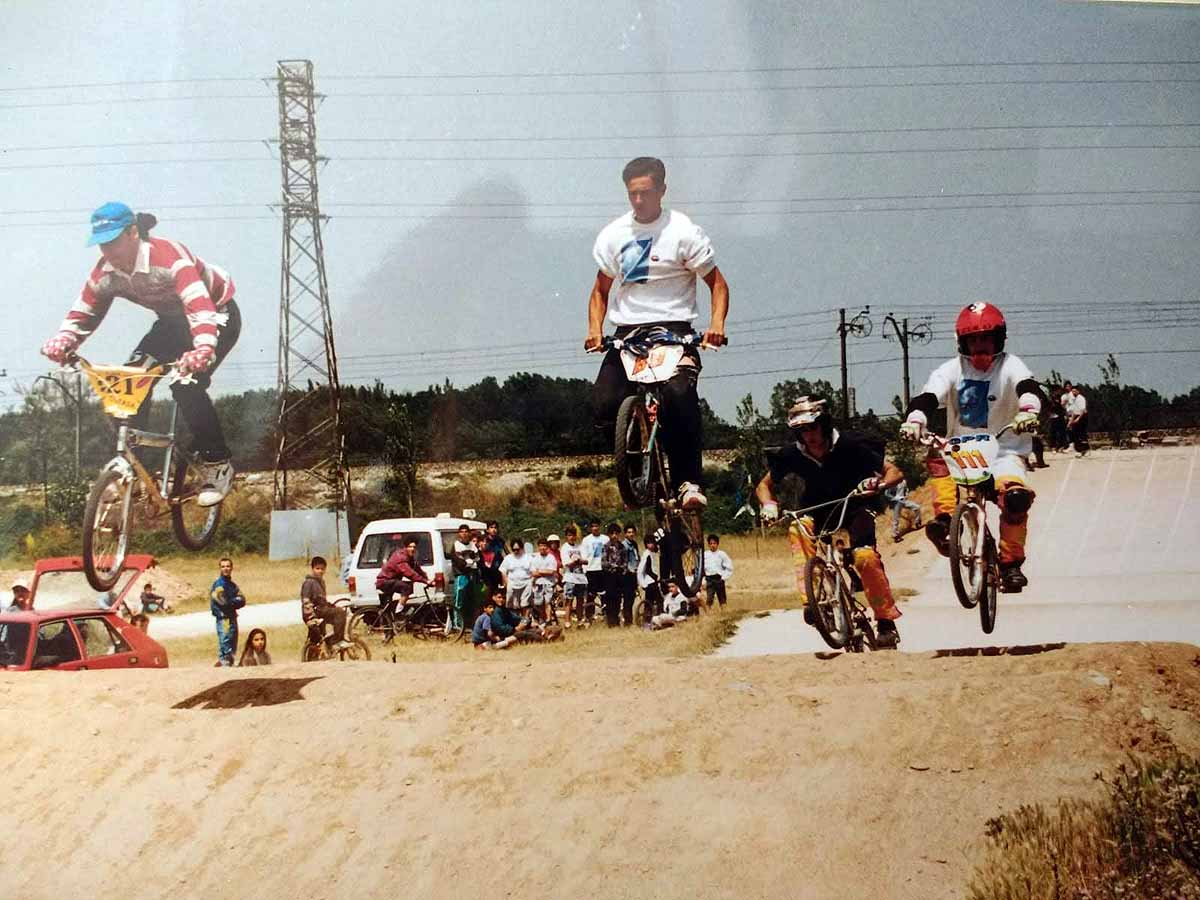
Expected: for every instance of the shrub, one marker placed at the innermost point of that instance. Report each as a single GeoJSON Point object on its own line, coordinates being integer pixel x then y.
{"type": "Point", "coordinates": [65, 501]}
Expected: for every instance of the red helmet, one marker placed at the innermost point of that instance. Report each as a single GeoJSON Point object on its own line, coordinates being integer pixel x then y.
{"type": "Point", "coordinates": [980, 318]}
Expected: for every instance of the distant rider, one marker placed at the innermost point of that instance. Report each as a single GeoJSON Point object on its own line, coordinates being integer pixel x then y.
{"type": "Point", "coordinates": [398, 576]}
{"type": "Point", "coordinates": [983, 388]}
{"type": "Point", "coordinates": [198, 323]}
{"type": "Point", "coordinates": [832, 464]}
{"type": "Point", "coordinates": [652, 256]}
{"type": "Point", "coordinates": [315, 609]}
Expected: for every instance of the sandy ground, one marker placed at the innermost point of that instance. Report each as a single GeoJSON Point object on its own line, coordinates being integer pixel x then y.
{"type": "Point", "coordinates": [866, 776]}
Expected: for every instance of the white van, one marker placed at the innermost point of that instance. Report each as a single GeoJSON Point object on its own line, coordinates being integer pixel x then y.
{"type": "Point", "coordinates": [379, 539]}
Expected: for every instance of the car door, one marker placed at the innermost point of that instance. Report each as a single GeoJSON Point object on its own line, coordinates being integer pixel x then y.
{"type": "Point", "coordinates": [103, 645]}
{"type": "Point", "coordinates": [57, 647]}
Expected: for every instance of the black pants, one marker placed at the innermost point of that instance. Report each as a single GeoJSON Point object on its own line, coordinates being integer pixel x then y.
{"type": "Point", "coordinates": [1058, 433]}
{"type": "Point", "coordinates": [597, 586]}
{"type": "Point", "coordinates": [335, 616]}
{"type": "Point", "coordinates": [165, 342]}
{"type": "Point", "coordinates": [1039, 450]}
{"type": "Point", "coordinates": [680, 413]}
{"type": "Point", "coordinates": [1079, 434]}
{"type": "Point", "coordinates": [614, 589]}
{"type": "Point", "coordinates": [715, 586]}
{"type": "Point", "coordinates": [628, 595]}
{"type": "Point", "coordinates": [653, 598]}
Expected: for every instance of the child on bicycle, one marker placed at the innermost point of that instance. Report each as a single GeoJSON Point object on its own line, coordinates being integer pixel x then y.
{"type": "Point", "coordinates": [198, 324]}
{"type": "Point", "coordinates": [315, 609]}
{"type": "Point", "coordinates": [834, 464]}
{"type": "Point", "coordinates": [983, 388]}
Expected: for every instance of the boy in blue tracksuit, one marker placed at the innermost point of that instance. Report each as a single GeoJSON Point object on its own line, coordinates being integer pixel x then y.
{"type": "Point", "coordinates": [224, 600]}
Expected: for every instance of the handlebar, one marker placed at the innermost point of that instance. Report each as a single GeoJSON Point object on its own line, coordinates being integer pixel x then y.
{"type": "Point", "coordinates": [639, 342]}
{"type": "Point", "coordinates": [937, 442]}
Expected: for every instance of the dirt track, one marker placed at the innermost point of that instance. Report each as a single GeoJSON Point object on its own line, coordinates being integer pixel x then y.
{"type": "Point", "coordinates": [770, 777]}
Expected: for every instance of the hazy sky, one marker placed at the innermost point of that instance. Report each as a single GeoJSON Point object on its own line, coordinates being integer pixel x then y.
{"type": "Point", "coordinates": [910, 157]}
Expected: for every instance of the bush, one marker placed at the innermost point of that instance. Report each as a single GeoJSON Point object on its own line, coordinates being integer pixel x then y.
{"type": "Point", "coordinates": [65, 501]}
{"type": "Point", "coordinates": [591, 469]}
{"type": "Point", "coordinates": [1142, 841]}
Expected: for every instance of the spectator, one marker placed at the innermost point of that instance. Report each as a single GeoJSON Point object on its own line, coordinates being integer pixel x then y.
{"type": "Point", "coordinates": [629, 583]}
{"type": "Point", "coordinates": [255, 652]}
{"type": "Point", "coordinates": [491, 554]}
{"type": "Point", "coordinates": [464, 561]}
{"type": "Point", "coordinates": [897, 497]}
{"type": "Point", "coordinates": [140, 621]}
{"type": "Point", "coordinates": [1058, 422]}
{"type": "Point", "coordinates": [22, 599]}
{"type": "Point", "coordinates": [648, 580]}
{"type": "Point", "coordinates": [152, 602]}
{"type": "Point", "coordinates": [613, 567]}
{"type": "Point", "coordinates": [225, 598]}
{"type": "Point", "coordinates": [398, 576]}
{"type": "Point", "coordinates": [517, 571]}
{"type": "Point", "coordinates": [575, 582]}
{"type": "Point", "coordinates": [675, 608]}
{"type": "Point", "coordinates": [718, 569]}
{"type": "Point", "coordinates": [315, 609]}
{"type": "Point", "coordinates": [544, 571]}
{"type": "Point", "coordinates": [555, 544]}
{"type": "Point", "coordinates": [593, 547]}
{"type": "Point", "coordinates": [1077, 422]}
{"type": "Point", "coordinates": [483, 634]}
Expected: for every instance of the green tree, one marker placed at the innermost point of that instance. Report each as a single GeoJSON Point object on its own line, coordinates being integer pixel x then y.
{"type": "Point", "coordinates": [400, 453]}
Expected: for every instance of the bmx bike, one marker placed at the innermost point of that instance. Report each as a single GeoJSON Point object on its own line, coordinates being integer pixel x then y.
{"type": "Point", "coordinates": [974, 560]}
{"type": "Point", "coordinates": [832, 584]}
{"type": "Point", "coordinates": [320, 644]}
{"type": "Point", "coordinates": [425, 619]}
{"type": "Point", "coordinates": [125, 484]}
{"type": "Point", "coordinates": [651, 357]}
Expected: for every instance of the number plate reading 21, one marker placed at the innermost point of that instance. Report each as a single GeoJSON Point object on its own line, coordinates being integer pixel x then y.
{"type": "Point", "coordinates": [122, 389]}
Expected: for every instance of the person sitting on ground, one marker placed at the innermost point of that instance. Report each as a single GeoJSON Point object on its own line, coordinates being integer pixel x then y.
{"type": "Point", "coordinates": [544, 569]}
{"type": "Point", "coordinates": [718, 569]}
{"type": "Point", "coordinates": [22, 600]}
{"type": "Point", "coordinates": [255, 652]}
{"type": "Point", "coordinates": [516, 570]}
{"type": "Point", "coordinates": [141, 621]}
{"type": "Point", "coordinates": [483, 633]}
{"type": "Point", "coordinates": [398, 576]}
{"type": "Point", "coordinates": [648, 579]}
{"type": "Point", "coordinates": [316, 611]}
{"type": "Point", "coordinates": [152, 602]}
{"type": "Point", "coordinates": [675, 608]}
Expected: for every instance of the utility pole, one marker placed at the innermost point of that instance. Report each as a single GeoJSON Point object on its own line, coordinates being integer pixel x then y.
{"type": "Point", "coordinates": [859, 326]}
{"type": "Point", "coordinates": [921, 334]}
{"type": "Point", "coordinates": [309, 427]}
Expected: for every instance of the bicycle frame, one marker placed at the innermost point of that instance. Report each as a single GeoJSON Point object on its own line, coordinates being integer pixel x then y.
{"type": "Point", "coordinates": [128, 438]}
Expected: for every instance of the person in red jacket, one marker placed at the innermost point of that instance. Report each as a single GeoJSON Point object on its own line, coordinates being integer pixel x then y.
{"type": "Point", "coordinates": [398, 575]}
{"type": "Point", "coordinates": [198, 323]}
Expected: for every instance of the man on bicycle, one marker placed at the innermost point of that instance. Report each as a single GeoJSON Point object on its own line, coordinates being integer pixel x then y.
{"type": "Point", "coordinates": [399, 575]}
{"type": "Point", "coordinates": [653, 257]}
{"type": "Point", "coordinates": [198, 323]}
{"type": "Point", "coordinates": [983, 389]}
{"type": "Point", "coordinates": [833, 464]}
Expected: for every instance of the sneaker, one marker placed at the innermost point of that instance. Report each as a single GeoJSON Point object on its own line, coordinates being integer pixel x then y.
{"type": "Point", "coordinates": [886, 635]}
{"type": "Point", "coordinates": [1012, 579]}
{"type": "Point", "coordinates": [218, 477]}
{"type": "Point", "coordinates": [343, 645]}
{"type": "Point", "coordinates": [690, 496]}
{"type": "Point", "coordinates": [938, 532]}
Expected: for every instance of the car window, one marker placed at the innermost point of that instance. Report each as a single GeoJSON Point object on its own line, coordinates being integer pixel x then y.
{"type": "Point", "coordinates": [448, 539]}
{"type": "Point", "coordinates": [55, 645]}
{"type": "Point", "coordinates": [99, 637]}
{"type": "Point", "coordinates": [377, 548]}
{"type": "Point", "coordinates": [14, 641]}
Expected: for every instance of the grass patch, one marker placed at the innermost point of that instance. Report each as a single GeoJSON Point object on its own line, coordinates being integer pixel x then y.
{"type": "Point", "coordinates": [1141, 841]}
{"type": "Point", "coordinates": [261, 580]}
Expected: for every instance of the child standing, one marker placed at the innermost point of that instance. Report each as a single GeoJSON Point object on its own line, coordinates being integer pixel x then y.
{"type": "Point", "coordinates": [718, 569]}
{"type": "Point", "coordinates": [544, 571]}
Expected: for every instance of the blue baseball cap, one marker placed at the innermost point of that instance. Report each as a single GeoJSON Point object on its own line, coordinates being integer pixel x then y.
{"type": "Point", "coordinates": [109, 221]}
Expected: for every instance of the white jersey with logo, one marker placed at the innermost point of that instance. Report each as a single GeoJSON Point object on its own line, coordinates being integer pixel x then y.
{"type": "Point", "coordinates": [981, 401]}
{"type": "Point", "coordinates": [654, 267]}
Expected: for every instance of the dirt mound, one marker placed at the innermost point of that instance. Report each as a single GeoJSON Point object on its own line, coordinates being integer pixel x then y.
{"type": "Point", "coordinates": [772, 777]}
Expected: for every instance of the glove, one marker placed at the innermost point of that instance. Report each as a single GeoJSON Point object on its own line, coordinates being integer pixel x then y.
{"type": "Point", "coordinates": [913, 428]}
{"type": "Point", "coordinates": [60, 347]}
{"type": "Point", "coordinates": [769, 512]}
{"type": "Point", "coordinates": [196, 361]}
{"type": "Point", "coordinates": [1025, 422]}
{"type": "Point", "coordinates": [867, 486]}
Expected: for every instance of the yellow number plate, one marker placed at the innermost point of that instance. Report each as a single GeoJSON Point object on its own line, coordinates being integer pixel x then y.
{"type": "Point", "coordinates": [121, 389]}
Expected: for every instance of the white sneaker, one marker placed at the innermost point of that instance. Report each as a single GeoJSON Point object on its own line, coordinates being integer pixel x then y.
{"type": "Point", "coordinates": [690, 496]}
{"type": "Point", "coordinates": [343, 645]}
{"type": "Point", "coordinates": [218, 477]}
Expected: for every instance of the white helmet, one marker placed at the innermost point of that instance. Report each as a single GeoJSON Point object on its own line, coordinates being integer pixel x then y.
{"type": "Point", "coordinates": [806, 411]}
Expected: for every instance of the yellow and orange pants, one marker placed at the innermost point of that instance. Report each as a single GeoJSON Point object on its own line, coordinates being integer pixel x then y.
{"type": "Point", "coordinates": [1008, 471]}
{"type": "Point", "coordinates": [867, 563]}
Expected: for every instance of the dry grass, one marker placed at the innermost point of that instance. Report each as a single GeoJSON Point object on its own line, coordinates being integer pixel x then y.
{"type": "Point", "coordinates": [261, 580]}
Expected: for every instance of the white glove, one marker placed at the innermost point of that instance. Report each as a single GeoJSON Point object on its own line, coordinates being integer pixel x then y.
{"type": "Point", "coordinates": [913, 428]}
{"type": "Point", "coordinates": [867, 486]}
{"type": "Point", "coordinates": [1025, 422]}
{"type": "Point", "coordinates": [769, 512]}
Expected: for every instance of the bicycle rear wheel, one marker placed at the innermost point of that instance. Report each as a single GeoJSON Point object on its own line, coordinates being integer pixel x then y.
{"type": "Point", "coordinates": [829, 599]}
{"type": "Point", "coordinates": [194, 525]}
{"type": "Point", "coordinates": [431, 621]}
{"type": "Point", "coordinates": [684, 544]}
{"type": "Point", "coordinates": [966, 567]}
{"type": "Point", "coordinates": [635, 460]}
{"type": "Point", "coordinates": [106, 521]}
{"type": "Point", "coordinates": [991, 567]}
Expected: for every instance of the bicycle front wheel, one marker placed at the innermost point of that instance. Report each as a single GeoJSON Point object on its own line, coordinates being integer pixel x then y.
{"type": "Point", "coordinates": [357, 650]}
{"type": "Point", "coordinates": [634, 458]}
{"type": "Point", "coordinates": [987, 604]}
{"type": "Point", "coordinates": [684, 544]}
{"type": "Point", "coordinates": [966, 564]}
{"type": "Point", "coordinates": [106, 525]}
{"type": "Point", "coordinates": [829, 599]}
{"type": "Point", "coordinates": [194, 525]}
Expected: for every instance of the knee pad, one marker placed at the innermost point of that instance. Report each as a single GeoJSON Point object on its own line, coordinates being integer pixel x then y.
{"type": "Point", "coordinates": [1017, 501]}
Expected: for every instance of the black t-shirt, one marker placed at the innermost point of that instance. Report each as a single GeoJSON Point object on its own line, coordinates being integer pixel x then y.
{"type": "Point", "coordinates": [853, 458]}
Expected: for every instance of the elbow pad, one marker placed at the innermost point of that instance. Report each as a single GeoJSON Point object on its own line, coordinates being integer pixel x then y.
{"type": "Point", "coordinates": [926, 404]}
{"type": "Point", "coordinates": [1029, 403]}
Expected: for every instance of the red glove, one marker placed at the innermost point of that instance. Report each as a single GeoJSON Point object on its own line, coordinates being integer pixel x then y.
{"type": "Point", "coordinates": [61, 346]}
{"type": "Point", "coordinates": [196, 361]}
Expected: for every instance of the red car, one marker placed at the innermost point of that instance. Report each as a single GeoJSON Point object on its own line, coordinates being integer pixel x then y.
{"type": "Point", "coordinates": [71, 627]}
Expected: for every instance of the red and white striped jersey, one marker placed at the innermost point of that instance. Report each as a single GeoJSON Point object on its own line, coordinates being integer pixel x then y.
{"type": "Point", "coordinates": [167, 280]}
